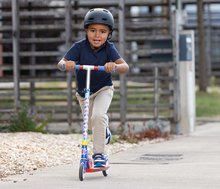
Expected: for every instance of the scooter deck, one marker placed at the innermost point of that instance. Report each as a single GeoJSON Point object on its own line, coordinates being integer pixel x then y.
{"type": "Point", "coordinates": [96, 169]}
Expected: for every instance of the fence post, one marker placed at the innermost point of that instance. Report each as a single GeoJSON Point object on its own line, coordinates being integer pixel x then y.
{"type": "Point", "coordinates": [32, 62]}
{"type": "Point", "coordinates": [123, 92]}
{"type": "Point", "coordinates": [175, 128]}
{"type": "Point", "coordinates": [1, 58]}
{"type": "Point", "coordinates": [156, 92]}
{"type": "Point", "coordinates": [1, 50]}
{"type": "Point", "coordinates": [16, 51]}
{"type": "Point", "coordinates": [68, 41]}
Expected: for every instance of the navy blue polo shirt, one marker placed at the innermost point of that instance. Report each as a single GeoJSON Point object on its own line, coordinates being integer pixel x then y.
{"type": "Point", "coordinates": [83, 54]}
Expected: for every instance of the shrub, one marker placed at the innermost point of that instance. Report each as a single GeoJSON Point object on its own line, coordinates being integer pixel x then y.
{"type": "Point", "coordinates": [24, 121]}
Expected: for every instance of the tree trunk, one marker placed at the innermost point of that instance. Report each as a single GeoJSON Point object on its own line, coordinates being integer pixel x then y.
{"type": "Point", "coordinates": [201, 46]}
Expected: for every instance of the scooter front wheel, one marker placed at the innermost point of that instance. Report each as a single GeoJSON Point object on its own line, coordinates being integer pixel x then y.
{"type": "Point", "coordinates": [81, 171]}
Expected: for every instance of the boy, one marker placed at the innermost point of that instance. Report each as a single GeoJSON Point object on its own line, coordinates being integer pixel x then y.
{"type": "Point", "coordinates": [95, 49]}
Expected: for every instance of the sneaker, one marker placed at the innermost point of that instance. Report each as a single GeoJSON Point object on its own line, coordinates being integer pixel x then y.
{"type": "Point", "coordinates": [100, 160]}
{"type": "Point", "coordinates": [108, 136]}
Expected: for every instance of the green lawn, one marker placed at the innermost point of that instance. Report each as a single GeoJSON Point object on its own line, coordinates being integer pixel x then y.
{"type": "Point", "coordinates": [208, 104]}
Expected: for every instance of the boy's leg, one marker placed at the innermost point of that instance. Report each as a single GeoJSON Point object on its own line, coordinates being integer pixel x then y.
{"type": "Point", "coordinates": [99, 118]}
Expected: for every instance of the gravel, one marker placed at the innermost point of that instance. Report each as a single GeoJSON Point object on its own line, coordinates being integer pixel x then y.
{"type": "Point", "coordinates": [24, 152]}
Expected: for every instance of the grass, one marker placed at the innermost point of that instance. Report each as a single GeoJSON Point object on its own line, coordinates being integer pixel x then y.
{"type": "Point", "coordinates": [208, 104]}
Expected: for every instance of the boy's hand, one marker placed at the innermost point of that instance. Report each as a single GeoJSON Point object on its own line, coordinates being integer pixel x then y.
{"type": "Point", "coordinates": [110, 67]}
{"type": "Point", "coordinates": [69, 65]}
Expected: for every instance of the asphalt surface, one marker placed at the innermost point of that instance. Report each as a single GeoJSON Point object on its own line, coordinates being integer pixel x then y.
{"type": "Point", "coordinates": [189, 162]}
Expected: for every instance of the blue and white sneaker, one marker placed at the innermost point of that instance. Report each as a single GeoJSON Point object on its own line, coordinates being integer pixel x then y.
{"type": "Point", "coordinates": [99, 160]}
{"type": "Point", "coordinates": [108, 136]}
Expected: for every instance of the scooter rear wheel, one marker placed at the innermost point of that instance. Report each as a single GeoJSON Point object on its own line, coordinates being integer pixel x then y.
{"type": "Point", "coordinates": [105, 173]}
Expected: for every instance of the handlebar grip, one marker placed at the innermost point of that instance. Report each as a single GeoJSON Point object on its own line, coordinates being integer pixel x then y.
{"type": "Point", "coordinates": [101, 68]}
{"type": "Point", "coordinates": [77, 67]}
{"type": "Point", "coordinates": [63, 67]}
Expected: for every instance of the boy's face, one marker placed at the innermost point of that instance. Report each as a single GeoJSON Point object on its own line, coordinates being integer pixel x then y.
{"type": "Point", "coordinates": [97, 35]}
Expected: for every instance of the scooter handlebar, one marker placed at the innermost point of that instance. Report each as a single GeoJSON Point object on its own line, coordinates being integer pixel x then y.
{"type": "Point", "coordinates": [89, 67]}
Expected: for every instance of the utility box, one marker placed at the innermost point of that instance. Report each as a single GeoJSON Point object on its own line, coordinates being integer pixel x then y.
{"type": "Point", "coordinates": [187, 81]}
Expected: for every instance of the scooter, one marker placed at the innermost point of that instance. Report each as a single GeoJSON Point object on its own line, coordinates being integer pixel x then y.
{"type": "Point", "coordinates": [86, 163]}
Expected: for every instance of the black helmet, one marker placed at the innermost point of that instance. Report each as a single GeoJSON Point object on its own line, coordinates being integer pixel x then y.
{"type": "Point", "coordinates": [99, 16]}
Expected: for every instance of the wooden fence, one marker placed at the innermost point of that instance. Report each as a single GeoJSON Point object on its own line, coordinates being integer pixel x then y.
{"type": "Point", "coordinates": [35, 34]}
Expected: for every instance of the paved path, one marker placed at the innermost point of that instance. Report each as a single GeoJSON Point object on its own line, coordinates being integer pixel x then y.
{"type": "Point", "coordinates": [186, 162]}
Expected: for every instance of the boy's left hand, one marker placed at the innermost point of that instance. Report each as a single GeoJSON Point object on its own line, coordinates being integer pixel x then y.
{"type": "Point", "coordinates": [110, 67]}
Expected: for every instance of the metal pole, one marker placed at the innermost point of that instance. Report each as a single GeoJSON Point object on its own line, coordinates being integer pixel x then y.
{"type": "Point", "coordinates": [16, 50]}
{"type": "Point", "coordinates": [123, 92]}
{"type": "Point", "coordinates": [68, 41]}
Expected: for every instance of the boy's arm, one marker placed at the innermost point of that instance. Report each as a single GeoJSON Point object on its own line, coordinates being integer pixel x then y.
{"type": "Point", "coordinates": [119, 66]}
{"type": "Point", "coordinates": [69, 65]}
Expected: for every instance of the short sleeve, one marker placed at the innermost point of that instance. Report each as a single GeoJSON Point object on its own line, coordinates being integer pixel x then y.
{"type": "Point", "coordinates": [113, 52]}
{"type": "Point", "coordinates": [73, 53]}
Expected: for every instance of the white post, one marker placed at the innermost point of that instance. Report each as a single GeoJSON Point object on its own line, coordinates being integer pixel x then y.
{"type": "Point", "coordinates": [187, 82]}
